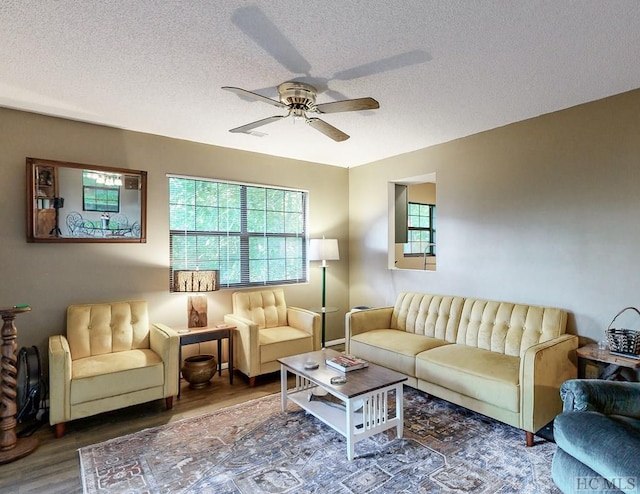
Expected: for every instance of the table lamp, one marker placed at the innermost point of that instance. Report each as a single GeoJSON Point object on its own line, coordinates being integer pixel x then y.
{"type": "Point", "coordinates": [323, 249]}
{"type": "Point", "coordinates": [196, 282]}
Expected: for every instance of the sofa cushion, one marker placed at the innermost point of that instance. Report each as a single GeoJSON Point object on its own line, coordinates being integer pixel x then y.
{"type": "Point", "coordinates": [604, 443]}
{"type": "Point", "coordinates": [436, 316]}
{"type": "Point", "coordinates": [114, 374]}
{"type": "Point", "coordinates": [282, 341]}
{"type": "Point", "coordinates": [393, 349]}
{"type": "Point", "coordinates": [508, 328]}
{"type": "Point", "coordinates": [481, 374]}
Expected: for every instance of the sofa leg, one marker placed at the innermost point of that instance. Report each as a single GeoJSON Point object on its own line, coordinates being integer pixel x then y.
{"type": "Point", "coordinates": [169, 402]}
{"type": "Point", "coordinates": [59, 430]}
{"type": "Point", "coordinates": [252, 381]}
{"type": "Point", "coordinates": [529, 438]}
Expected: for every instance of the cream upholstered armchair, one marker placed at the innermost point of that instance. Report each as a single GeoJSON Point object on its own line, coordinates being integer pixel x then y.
{"type": "Point", "coordinates": [268, 330]}
{"type": "Point", "coordinates": [110, 358]}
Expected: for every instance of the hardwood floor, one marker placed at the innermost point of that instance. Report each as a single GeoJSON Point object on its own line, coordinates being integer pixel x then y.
{"type": "Point", "coordinates": [54, 467]}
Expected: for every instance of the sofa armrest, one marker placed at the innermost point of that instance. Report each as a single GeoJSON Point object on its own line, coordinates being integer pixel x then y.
{"type": "Point", "coordinates": [365, 320]}
{"type": "Point", "coordinates": [165, 342]}
{"type": "Point", "coordinates": [607, 397]}
{"type": "Point", "coordinates": [246, 352]}
{"type": "Point", "coordinates": [543, 369]}
{"type": "Point", "coordinates": [361, 321]}
{"type": "Point", "coordinates": [308, 321]}
{"type": "Point", "coordinates": [59, 380]}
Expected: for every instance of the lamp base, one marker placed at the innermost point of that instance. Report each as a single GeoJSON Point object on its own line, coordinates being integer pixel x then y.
{"type": "Point", "coordinates": [197, 311]}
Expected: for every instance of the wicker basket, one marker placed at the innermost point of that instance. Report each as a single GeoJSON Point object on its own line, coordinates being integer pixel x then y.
{"type": "Point", "coordinates": [624, 341]}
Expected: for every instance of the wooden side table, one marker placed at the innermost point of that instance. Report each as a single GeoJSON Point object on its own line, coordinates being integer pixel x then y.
{"type": "Point", "coordinates": [609, 365]}
{"type": "Point", "coordinates": [208, 333]}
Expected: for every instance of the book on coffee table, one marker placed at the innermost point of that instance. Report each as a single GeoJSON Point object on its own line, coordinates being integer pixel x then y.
{"type": "Point", "coordinates": [346, 363]}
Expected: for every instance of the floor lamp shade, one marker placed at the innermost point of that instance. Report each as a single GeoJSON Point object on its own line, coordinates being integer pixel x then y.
{"type": "Point", "coordinates": [196, 282]}
{"type": "Point", "coordinates": [324, 249]}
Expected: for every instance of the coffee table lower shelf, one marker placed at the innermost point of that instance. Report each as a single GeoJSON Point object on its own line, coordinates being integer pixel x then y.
{"type": "Point", "coordinates": [361, 416]}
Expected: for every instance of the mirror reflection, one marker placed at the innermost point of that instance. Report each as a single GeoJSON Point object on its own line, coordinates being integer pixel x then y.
{"type": "Point", "coordinates": [413, 212]}
{"type": "Point", "coordinates": [72, 202]}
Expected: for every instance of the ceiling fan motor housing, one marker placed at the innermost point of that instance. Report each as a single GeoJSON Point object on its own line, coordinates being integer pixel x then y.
{"type": "Point", "coordinates": [298, 96]}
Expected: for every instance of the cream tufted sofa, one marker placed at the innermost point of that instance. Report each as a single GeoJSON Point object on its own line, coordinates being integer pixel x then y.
{"type": "Point", "coordinates": [268, 329]}
{"type": "Point", "coordinates": [504, 360]}
{"type": "Point", "coordinates": [110, 358]}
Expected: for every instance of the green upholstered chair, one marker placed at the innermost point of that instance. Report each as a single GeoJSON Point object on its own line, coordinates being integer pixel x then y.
{"type": "Point", "coordinates": [598, 437]}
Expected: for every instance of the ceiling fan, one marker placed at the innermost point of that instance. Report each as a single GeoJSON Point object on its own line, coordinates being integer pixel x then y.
{"type": "Point", "coordinates": [299, 99]}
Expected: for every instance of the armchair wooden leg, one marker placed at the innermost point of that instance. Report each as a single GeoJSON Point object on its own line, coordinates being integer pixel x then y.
{"type": "Point", "coordinates": [59, 430]}
{"type": "Point", "coordinates": [529, 436]}
{"type": "Point", "coordinates": [169, 402]}
{"type": "Point", "coordinates": [252, 381]}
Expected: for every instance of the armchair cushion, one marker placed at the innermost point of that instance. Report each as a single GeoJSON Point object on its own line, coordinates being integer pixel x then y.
{"type": "Point", "coordinates": [266, 308]}
{"type": "Point", "coordinates": [114, 374]}
{"type": "Point", "coordinates": [607, 444]}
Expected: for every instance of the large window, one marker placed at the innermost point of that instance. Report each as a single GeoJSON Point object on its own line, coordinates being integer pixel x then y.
{"type": "Point", "coordinates": [421, 230]}
{"type": "Point", "coordinates": [255, 235]}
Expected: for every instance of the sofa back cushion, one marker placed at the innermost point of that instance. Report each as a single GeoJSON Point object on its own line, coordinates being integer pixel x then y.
{"type": "Point", "coordinates": [429, 315]}
{"type": "Point", "coordinates": [267, 308]}
{"type": "Point", "coordinates": [508, 328]}
{"type": "Point", "coordinates": [96, 329]}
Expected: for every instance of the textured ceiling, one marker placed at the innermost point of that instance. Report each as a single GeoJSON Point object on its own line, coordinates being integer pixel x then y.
{"type": "Point", "coordinates": [440, 69]}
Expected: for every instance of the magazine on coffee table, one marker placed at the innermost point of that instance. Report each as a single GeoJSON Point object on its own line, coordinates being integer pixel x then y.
{"type": "Point", "coordinates": [346, 363]}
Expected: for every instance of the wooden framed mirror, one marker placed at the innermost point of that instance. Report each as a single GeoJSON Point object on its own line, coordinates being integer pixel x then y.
{"type": "Point", "coordinates": [73, 202]}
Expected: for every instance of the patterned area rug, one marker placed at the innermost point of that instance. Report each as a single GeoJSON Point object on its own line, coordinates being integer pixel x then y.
{"type": "Point", "coordinates": [256, 448]}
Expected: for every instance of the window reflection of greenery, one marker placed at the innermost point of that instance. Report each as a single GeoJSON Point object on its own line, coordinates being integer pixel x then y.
{"type": "Point", "coordinates": [421, 226]}
{"type": "Point", "coordinates": [99, 197]}
{"type": "Point", "coordinates": [254, 235]}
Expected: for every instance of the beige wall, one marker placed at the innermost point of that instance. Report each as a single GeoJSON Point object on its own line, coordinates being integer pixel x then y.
{"type": "Point", "coordinates": [49, 277]}
{"type": "Point", "coordinates": [545, 211]}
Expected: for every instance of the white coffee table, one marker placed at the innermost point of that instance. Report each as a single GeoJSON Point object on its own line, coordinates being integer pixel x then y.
{"type": "Point", "coordinates": [365, 395]}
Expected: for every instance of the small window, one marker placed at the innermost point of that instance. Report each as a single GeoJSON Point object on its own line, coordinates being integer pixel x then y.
{"type": "Point", "coordinates": [101, 191]}
{"type": "Point", "coordinates": [254, 235]}
{"type": "Point", "coordinates": [421, 226]}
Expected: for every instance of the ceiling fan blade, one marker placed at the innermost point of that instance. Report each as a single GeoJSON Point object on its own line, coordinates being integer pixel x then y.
{"type": "Point", "coordinates": [258, 123]}
{"type": "Point", "coordinates": [257, 26]}
{"type": "Point", "coordinates": [328, 130]}
{"type": "Point", "coordinates": [255, 96]}
{"type": "Point", "coordinates": [348, 105]}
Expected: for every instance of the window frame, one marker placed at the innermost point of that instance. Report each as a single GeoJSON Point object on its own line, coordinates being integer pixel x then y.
{"type": "Point", "coordinates": [431, 229]}
{"type": "Point", "coordinates": [244, 236]}
{"type": "Point", "coordinates": [91, 186]}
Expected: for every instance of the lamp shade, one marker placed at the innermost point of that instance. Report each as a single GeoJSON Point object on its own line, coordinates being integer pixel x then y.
{"type": "Point", "coordinates": [196, 281]}
{"type": "Point", "coordinates": [323, 249]}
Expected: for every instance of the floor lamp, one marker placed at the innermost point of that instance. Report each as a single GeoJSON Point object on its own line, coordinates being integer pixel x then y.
{"type": "Point", "coordinates": [323, 249]}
